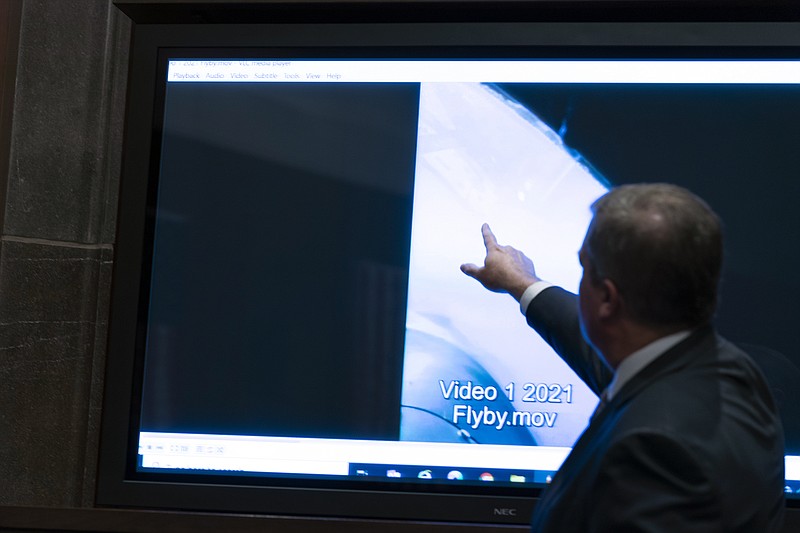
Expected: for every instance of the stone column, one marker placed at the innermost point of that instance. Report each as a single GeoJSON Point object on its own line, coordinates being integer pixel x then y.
{"type": "Point", "coordinates": [57, 247]}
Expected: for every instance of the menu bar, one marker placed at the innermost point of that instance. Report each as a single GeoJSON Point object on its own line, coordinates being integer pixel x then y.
{"type": "Point", "coordinates": [400, 71]}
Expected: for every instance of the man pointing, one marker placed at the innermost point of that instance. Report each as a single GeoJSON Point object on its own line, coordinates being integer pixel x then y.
{"type": "Point", "coordinates": [686, 436]}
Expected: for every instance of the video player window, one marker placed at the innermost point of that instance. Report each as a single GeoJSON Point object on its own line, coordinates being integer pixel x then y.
{"type": "Point", "coordinates": [307, 316]}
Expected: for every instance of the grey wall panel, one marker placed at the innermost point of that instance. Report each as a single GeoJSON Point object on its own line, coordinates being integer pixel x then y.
{"type": "Point", "coordinates": [47, 339]}
{"type": "Point", "coordinates": [65, 120]}
{"type": "Point", "coordinates": [56, 247]}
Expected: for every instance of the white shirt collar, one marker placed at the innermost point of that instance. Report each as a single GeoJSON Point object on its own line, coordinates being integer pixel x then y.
{"type": "Point", "coordinates": [635, 362]}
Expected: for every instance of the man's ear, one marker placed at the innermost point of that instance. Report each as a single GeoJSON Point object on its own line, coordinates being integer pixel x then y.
{"type": "Point", "coordinates": [610, 302]}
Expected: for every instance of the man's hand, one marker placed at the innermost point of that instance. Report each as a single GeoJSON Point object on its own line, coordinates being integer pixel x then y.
{"type": "Point", "coordinates": [505, 268]}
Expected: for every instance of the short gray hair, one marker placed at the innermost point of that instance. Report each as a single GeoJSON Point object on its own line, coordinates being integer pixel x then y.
{"type": "Point", "coordinates": [662, 247]}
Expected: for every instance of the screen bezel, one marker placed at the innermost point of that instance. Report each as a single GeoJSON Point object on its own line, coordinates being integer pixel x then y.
{"type": "Point", "coordinates": [116, 485]}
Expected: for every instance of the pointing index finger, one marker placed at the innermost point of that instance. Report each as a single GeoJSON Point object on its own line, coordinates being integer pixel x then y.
{"type": "Point", "coordinates": [489, 240]}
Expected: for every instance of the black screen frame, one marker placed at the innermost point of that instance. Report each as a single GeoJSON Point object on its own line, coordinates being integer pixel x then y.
{"type": "Point", "coordinates": [436, 39]}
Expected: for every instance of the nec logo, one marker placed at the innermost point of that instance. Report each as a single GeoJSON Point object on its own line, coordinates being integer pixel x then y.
{"type": "Point", "coordinates": [505, 511]}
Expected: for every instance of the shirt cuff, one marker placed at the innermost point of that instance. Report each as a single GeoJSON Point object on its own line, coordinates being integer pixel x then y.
{"type": "Point", "coordinates": [530, 293]}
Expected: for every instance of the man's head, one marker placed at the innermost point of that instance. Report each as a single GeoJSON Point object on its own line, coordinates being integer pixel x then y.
{"type": "Point", "coordinates": [659, 247]}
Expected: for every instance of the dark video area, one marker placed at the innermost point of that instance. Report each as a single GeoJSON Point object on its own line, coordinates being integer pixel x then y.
{"type": "Point", "coordinates": [737, 148]}
{"type": "Point", "coordinates": [280, 260]}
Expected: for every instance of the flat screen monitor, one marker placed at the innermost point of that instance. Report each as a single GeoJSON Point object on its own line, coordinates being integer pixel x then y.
{"type": "Point", "coordinates": [291, 332]}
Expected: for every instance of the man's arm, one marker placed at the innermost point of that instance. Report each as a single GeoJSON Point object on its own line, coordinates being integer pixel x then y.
{"type": "Point", "coordinates": [554, 316]}
{"type": "Point", "coordinates": [553, 313]}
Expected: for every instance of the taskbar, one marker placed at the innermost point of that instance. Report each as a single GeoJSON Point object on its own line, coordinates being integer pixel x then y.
{"type": "Point", "coordinates": [451, 473]}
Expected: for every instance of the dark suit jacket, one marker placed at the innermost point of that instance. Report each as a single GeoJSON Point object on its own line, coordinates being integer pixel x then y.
{"type": "Point", "coordinates": [692, 443]}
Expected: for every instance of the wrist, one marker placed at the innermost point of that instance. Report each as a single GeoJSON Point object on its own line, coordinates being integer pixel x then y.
{"type": "Point", "coordinates": [521, 285]}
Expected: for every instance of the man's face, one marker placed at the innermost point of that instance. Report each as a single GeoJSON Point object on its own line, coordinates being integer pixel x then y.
{"type": "Point", "coordinates": [588, 299]}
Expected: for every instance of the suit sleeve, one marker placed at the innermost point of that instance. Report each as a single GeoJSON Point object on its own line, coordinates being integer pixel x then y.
{"type": "Point", "coordinates": [650, 482]}
{"type": "Point", "coordinates": [554, 316]}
